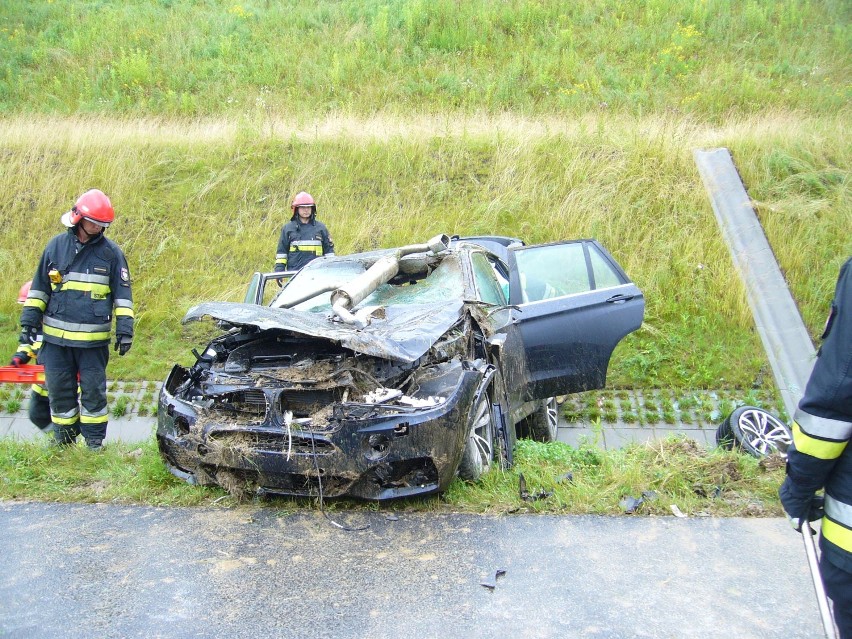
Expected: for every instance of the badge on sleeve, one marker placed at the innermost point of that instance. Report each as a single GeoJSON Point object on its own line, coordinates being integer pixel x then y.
{"type": "Point", "coordinates": [125, 276]}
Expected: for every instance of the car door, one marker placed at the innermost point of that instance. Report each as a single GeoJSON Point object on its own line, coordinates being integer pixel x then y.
{"type": "Point", "coordinates": [259, 293]}
{"type": "Point", "coordinates": [571, 304]}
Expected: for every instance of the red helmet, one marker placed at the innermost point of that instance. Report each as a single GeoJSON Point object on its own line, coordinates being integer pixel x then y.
{"type": "Point", "coordinates": [25, 290]}
{"type": "Point", "coordinates": [94, 206]}
{"type": "Point", "coordinates": [303, 199]}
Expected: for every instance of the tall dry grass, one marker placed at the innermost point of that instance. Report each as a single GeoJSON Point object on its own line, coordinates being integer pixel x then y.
{"type": "Point", "coordinates": [200, 205]}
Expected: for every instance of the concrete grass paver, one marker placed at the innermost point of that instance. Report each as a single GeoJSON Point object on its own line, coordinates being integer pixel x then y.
{"type": "Point", "coordinates": [138, 422]}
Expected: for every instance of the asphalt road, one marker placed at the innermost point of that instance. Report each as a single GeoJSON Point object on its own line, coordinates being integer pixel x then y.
{"type": "Point", "coordinates": [126, 571]}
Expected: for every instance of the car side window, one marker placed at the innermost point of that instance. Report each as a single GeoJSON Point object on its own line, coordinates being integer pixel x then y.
{"type": "Point", "coordinates": [605, 274]}
{"type": "Point", "coordinates": [552, 271]}
{"type": "Point", "coordinates": [502, 275]}
{"type": "Point", "coordinates": [485, 277]}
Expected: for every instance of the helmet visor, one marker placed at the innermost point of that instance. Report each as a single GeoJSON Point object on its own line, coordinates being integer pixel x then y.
{"type": "Point", "coordinates": [103, 225]}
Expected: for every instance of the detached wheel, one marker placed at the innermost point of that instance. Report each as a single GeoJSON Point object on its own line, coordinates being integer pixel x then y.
{"type": "Point", "coordinates": [543, 424]}
{"type": "Point", "coordinates": [755, 431]}
{"type": "Point", "coordinates": [478, 453]}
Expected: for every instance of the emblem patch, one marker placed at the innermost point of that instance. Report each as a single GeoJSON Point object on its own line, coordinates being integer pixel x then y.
{"type": "Point", "coordinates": [125, 276]}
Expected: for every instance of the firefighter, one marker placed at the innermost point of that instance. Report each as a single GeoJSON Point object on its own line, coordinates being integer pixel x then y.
{"type": "Point", "coordinates": [821, 455]}
{"type": "Point", "coordinates": [82, 280]}
{"type": "Point", "coordinates": [39, 409]}
{"type": "Point", "coordinates": [303, 238]}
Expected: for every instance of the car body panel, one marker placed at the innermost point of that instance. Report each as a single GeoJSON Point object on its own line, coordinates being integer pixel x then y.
{"type": "Point", "coordinates": [404, 333]}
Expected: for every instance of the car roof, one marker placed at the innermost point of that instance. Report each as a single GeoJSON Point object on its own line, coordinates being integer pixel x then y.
{"type": "Point", "coordinates": [499, 245]}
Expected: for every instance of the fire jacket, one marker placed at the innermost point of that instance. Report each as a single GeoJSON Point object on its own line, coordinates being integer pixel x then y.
{"type": "Point", "coordinates": [301, 243]}
{"type": "Point", "coordinates": [821, 454]}
{"type": "Point", "coordinates": [76, 290]}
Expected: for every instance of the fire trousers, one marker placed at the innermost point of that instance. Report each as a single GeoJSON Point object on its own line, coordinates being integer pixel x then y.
{"type": "Point", "coordinates": [62, 367]}
{"type": "Point", "coordinates": [838, 587]}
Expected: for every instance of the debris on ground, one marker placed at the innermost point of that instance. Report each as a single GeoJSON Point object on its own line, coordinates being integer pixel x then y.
{"type": "Point", "coordinates": [491, 584]}
{"type": "Point", "coordinates": [676, 511]}
{"type": "Point", "coordinates": [527, 495]}
{"type": "Point", "coordinates": [631, 504]}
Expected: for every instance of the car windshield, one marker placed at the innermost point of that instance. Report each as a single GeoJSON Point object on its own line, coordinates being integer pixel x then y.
{"type": "Point", "coordinates": [310, 290]}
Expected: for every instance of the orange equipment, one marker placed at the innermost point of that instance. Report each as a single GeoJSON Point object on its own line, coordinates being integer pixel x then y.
{"type": "Point", "coordinates": [22, 374]}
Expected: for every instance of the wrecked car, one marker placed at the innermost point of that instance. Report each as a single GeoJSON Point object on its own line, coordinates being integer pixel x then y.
{"type": "Point", "coordinates": [385, 374]}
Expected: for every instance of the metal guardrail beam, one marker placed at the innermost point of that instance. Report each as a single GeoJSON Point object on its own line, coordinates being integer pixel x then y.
{"type": "Point", "coordinates": [779, 324]}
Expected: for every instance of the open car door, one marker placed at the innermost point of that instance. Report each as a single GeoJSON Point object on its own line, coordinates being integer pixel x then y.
{"type": "Point", "coordinates": [259, 293]}
{"type": "Point", "coordinates": [572, 305]}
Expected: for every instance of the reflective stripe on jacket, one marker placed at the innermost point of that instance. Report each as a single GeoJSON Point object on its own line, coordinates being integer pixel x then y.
{"type": "Point", "coordinates": [76, 291]}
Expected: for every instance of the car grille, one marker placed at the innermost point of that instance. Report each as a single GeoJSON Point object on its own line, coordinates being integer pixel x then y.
{"type": "Point", "coordinates": [271, 442]}
{"type": "Point", "coordinates": [303, 403]}
{"type": "Point", "coordinates": [250, 404]}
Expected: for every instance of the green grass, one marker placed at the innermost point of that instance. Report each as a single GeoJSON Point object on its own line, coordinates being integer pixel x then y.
{"type": "Point", "coordinates": [698, 481]}
{"type": "Point", "coordinates": [120, 406]}
{"type": "Point", "coordinates": [119, 473]}
{"type": "Point", "coordinates": [262, 60]}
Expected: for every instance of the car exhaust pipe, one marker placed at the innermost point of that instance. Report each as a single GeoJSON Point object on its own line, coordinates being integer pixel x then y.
{"type": "Point", "coordinates": [347, 297]}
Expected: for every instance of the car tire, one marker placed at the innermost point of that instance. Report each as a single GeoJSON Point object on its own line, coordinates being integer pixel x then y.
{"type": "Point", "coordinates": [724, 436]}
{"type": "Point", "coordinates": [543, 424]}
{"type": "Point", "coordinates": [478, 455]}
{"type": "Point", "coordinates": [754, 430]}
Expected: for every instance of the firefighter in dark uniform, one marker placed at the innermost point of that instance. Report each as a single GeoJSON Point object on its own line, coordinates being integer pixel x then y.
{"type": "Point", "coordinates": [39, 408]}
{"type": "Point", "coordinates": [81, 282]}
{"type": "Point", "coordinates": [303, 238]}
{"type": "Point", "coordinates": [821, 454]}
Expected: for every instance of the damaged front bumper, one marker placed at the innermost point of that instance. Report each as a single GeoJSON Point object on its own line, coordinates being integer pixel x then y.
{"type": "Point", "coordinates": [364, 450]}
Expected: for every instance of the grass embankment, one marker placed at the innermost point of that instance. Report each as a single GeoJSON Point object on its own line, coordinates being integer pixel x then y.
{"type": "Point", "coordinates": [559, 479]}
{"type": "Point", "coordinates": [710, 58]}
{"type": "Point", "coordinates": [197, 215]}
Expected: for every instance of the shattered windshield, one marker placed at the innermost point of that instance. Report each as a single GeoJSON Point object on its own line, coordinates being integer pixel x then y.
{"type": "Point", "coordinates": [311, 289]}
{"type": "Point", "coordinates": [312, 286]}
{"type": "Point", "coordinates": [443, 284]}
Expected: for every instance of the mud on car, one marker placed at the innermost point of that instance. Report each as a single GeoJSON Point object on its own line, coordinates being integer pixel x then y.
{"type": "Point", "coordinates": [385, 374]}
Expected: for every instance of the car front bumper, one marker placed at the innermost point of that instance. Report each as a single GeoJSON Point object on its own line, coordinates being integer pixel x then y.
{"type": "Point", "coordinates": [367, 451]}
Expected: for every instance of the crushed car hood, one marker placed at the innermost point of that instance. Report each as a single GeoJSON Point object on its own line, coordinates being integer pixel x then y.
{"type": "Point", "coordinates": [404, 333]}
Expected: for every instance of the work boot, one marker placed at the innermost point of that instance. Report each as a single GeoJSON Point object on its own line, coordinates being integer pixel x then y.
{"type": "Point", "coordinates": [64, 437]}
{"type": "Point", "coordinates": [95, 444]}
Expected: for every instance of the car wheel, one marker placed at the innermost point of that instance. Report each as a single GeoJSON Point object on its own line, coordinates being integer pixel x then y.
{"type": "Point", "coordinates": [755, 431]}
{"type": "Point", "coordinates": [482, 435]}
{"type": "Point", "coordinates": [543, 424]}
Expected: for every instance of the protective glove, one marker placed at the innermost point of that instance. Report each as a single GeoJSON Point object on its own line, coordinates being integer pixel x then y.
{"type": "Point", "coordinates": [800, 509]}
{"type": "Point", "coordinates": [17, 361]}
{"type": "Point", "coordinates": [29, 335]}
{"type": "Point", "coordinates": [123, 344]}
